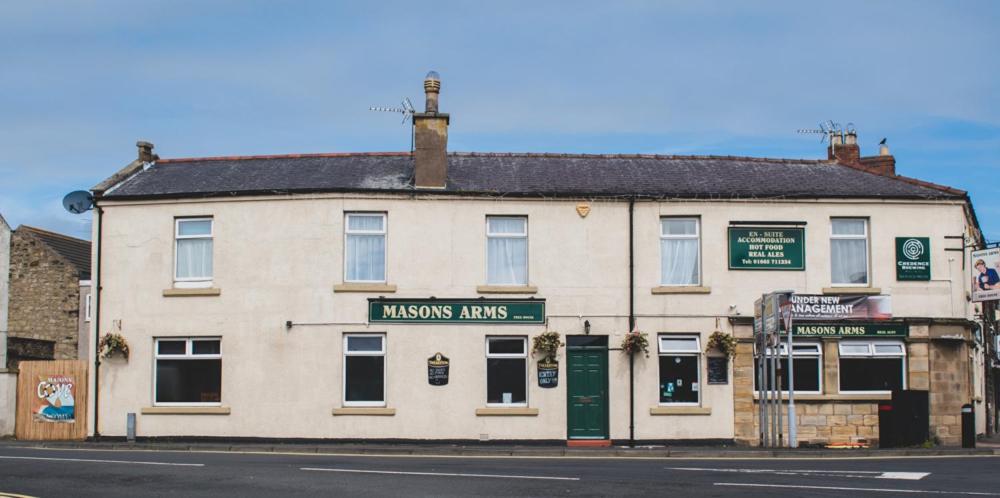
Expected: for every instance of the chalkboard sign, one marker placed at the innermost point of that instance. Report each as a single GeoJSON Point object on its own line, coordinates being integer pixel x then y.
{"type": "Point", "coordinates": [437, 370]}
{"type": "Point", "coordinates": [548, 374]}
{"type": "Point", "coordinates": [718, 370]}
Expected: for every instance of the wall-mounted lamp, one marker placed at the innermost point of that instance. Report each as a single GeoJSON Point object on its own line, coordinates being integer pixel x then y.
{"type": "Point", "coordinates": [288, 325]}
{"type": "Point", "coordinates": [586, 327]}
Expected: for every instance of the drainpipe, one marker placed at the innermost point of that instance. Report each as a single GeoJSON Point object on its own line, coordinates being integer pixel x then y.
{"type": "Point", "coordinates": [97, 328]}
{"type": "Point", "coordinates": [631, 321]}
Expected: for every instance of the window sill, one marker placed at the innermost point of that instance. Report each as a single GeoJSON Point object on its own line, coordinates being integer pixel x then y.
{"type": "Point", "coordinates": [519, 411]}
{"type": "Point", "coordinates": [185, 410]}
{"type": "Point", "coordinates": [360, 287]}
{"type": "Point", "coordinates": [682, 289]}
{"type": "Point", "coordinates": [507, 289]}
{"type": "Point", "coordinates": [360, 410]}
{"type": "Point", "coordinates": [872, 291]}
{"type": "Point", "coordinates": [680, 410]}
{"type": "Point", "coordinates": [835, 397]}
{"type": "Point", "coordinates": [209, 291]}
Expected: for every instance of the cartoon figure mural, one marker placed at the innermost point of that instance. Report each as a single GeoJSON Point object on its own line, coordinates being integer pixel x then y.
{"type": "Point", "coordinates": [55, 399]}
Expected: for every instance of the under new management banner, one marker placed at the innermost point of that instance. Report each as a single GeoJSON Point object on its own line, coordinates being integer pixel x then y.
{"type": "Point", "coordinates": [840, 307]}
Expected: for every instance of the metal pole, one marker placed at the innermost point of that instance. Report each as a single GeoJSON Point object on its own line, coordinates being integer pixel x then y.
{"type": "Point", "coordinates": [762, 381]}
{"type": "Point", "coordinates": [774, 395]}
{"type": "Point", "coordinates": [793, 440]}
{"type": "Point", "coordinates": [781, 428]}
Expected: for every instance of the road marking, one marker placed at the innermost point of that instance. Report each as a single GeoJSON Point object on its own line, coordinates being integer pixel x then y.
{"type": "Point", "coordinates": [868, 474]}
{"type": "Point", "coordinates": [101, 461]}
{"type": "Point", "coordinates": [442, 474]}
{"type": "Point", "coordinates": [838, 488]}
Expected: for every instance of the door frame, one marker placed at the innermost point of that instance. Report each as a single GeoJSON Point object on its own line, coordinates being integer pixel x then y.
{"type": "Point", "coordinates": [607, 395]}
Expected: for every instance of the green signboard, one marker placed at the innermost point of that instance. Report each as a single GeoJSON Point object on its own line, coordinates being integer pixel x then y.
{"type": "Point", "coordinates": [850, 329]}
{"type": "Point", "coordinates": [457, 311]}
{"type": "Point", "coordinates": [913, 258]}
{"type": "Point", "coordinates": [767, 248]}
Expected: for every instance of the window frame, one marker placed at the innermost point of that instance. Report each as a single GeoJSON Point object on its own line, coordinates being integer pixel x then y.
{"type": "Point", "coordinates": [868, 249]}
{"type": "Point", "coordinates": [193, 282]}
{"type": "Point", "coordinates": [872, 355]}
{"type": "Point", "coordinates": [696, 237]}
{"type": "Point", "coordinates": [385, 367]}
{"type": "Point", "coordinates": [527, 249]}
{"type": "Point", "coordinates": [523, 355]}
{"type": "Point", "coordinates": [385, 243]}
{"type": "Point", "coordinates": [783, 352]}
{"type": "Point", "coordinates": [188, 355]}
{"type": "Point", "coordinates": [697, 353]}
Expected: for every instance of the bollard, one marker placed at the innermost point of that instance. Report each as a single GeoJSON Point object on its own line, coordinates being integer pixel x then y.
{"type": "Point", "coordinates": [968, 427]}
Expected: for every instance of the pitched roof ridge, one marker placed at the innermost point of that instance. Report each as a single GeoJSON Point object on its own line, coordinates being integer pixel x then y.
{"type": "Point", "coordinates": [280, 156]}
{"type": "Point", "coordinates": [565, 155]}
{"type": "Point", "coordinates": [906, 179]}
{"type": "Point", "coordinates": [50, 232]}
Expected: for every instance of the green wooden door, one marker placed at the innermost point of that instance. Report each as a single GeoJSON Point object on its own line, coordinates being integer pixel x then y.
{"type": "Point", "coordinates": [587, 391]}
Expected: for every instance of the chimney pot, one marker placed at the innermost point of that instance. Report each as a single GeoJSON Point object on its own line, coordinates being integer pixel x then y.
{"type": "Point", "coordinates": [145, 151]}
{"type": "Point", "coordinates": [883, 150]}
{"type": "Point", "coordinates": [432, 88]}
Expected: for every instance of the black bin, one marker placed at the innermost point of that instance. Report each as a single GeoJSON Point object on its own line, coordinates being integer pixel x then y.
{"type": "Point", "coordinates": [968, 426]}
{"type": "Point", "coordinates": [904, 420]}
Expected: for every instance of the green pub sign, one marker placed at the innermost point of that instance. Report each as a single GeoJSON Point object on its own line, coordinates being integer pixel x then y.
{"type": "Point", "coordinates": [457, 311]}
{"type": "Point", "coordinates": [767, 248]}
{"type": "Point", "coordinates": [850, 329]}
{"type": "Point", "coordinates": [913, 258]}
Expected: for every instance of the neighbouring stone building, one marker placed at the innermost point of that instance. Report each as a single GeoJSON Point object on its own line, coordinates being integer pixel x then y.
{"type": "Point", "coordinates": [49, 279]}
{"type": "Point", "coordinates": [395, 296]}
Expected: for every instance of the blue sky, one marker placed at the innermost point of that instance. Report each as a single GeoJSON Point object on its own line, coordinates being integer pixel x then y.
{"type": "Point", "coordinates": [80, 82]}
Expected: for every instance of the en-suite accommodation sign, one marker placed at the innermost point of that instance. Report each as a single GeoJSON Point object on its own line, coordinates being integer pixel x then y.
{"type": "Point", "coordinates": [767, 248]}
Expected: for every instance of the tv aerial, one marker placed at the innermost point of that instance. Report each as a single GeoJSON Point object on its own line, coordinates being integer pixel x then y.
{"type": "Point", "coordinates": [828, 129]}
{"type": "Point", "coordinates": [405, 108]}
{"type": "Point", "coordinates": [78, 202]}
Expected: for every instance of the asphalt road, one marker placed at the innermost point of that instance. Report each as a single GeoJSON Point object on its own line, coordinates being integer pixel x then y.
{"type": "Point", "coordinates": [62, 472]}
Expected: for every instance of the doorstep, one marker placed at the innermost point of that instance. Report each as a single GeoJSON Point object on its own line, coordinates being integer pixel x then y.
{"type": "Point", "coordinates": [588, 443]}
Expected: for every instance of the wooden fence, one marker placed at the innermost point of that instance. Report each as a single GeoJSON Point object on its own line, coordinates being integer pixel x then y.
{"type": "Point", "coordinates": [51, 400]}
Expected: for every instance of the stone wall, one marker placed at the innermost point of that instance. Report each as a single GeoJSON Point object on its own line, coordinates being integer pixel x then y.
{"type": "Point", "coordinates": [44, 295]}
{"type": "Point", "coordinates": [949, 364]}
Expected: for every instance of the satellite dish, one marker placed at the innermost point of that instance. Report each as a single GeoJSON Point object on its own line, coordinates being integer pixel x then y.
{"type": "Point", "coordinates": [78, 202]}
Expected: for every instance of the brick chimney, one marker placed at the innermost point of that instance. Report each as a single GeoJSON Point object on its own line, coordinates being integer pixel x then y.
{"type": "Point", "coordinates": [883, 164]}
{"type": "Point", "coordinates": [146, 152]}
{"type": "Point", "coordinates": [844, 149]}
{"type": "Point", "coordinates": [430, 136]}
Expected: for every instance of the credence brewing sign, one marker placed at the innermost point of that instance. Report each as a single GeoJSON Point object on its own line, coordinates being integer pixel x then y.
{"type": "Point", "coordinates": [839, 307]}
{"type": "Point", "coordinates": [55, 402]}
{"type": "Point", "coordinates": [986, 274]}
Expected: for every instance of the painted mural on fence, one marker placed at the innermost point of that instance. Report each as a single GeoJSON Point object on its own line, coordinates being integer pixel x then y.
{"type": "Point", "coordinates": [55, 401]}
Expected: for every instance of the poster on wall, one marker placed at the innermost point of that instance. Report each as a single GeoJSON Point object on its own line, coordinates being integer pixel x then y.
{"type": "Point", "coordinates": [913, 258]}
{"type": "Point", "coordinates": [56, 399]}
{"type": "Point", "coordinates": [437, 370]}
{"type": "Point", "coordinates": [986, 274]}
{"type": "Point", "coordinates": [548, 374]}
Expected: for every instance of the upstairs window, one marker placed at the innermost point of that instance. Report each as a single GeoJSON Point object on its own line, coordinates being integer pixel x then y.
{"type": "Point", "coordinates": [507, 250]}
{"type": "Point", "coordinates": [680, 373]}
{"type": "Point", "coordinates": [193, 263]}
{"type": "Point", "coordinates": [872, 366]}
{"type": "Point", "coordinates": [849, 251]}
{"type": "Point", "coordinates": [679, 251]}
{"type": "Point", "coordinates": [364, 259]}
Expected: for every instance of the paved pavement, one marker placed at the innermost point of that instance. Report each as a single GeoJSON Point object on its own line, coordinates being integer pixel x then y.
{"type": "Point", "coordinates": [38, 471]}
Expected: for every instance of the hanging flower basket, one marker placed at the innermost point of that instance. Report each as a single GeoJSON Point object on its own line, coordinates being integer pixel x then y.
{"type": "Point", "coordinates": [546, 344]}
{"type": "Point", "coordinates": [636, 341]}
{"type": "Point", "coordinates": [112, 345]}
{"type": "Point", "coordinates": [722, 342]}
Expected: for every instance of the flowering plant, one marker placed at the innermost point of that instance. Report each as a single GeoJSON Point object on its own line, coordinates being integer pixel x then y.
{"type": "Point", "coordinates": [636, 341]}
{"type": "Point", "coordinates": [113, 343]}
{"type": "Point", "coordinates": [723, 342]}
{"type": "Point", "coordinates": [547, 343]}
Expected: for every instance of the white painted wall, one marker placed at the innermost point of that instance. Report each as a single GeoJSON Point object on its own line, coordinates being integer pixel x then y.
{"type": "Point", "coordinates": [8, 402]}
{"type": "Point", "coordinates": [277, 259]}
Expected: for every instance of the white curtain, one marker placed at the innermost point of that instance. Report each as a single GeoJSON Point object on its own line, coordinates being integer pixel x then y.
{"type": "Point", "coordinates": [679, 265]}
{"type": "Point", "coordinates": [849, 261]}
{"type": "Point", "coordinates": [366, 256]}
{"type": "Point", "coordinates": [507, 261]}
{"type": "Point", "coordinates": [194, 258]}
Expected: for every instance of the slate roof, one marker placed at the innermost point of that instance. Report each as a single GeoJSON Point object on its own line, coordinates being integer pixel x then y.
{"type": "Point", "coordinates": [532, 175]}
{"type": "Point", "coordinates": [76, 251]}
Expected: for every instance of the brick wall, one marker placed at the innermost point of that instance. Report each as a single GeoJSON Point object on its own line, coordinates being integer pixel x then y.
{"type": "Point", "coordinates": [44, 295]}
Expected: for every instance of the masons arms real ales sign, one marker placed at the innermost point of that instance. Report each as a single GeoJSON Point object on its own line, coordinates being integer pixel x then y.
{"type": "Point", "coordinates": [766, 248]}
{"type": "Point", "coordinates": [850, 329]}
{"type": "Point", "coordinates": [457, 311]}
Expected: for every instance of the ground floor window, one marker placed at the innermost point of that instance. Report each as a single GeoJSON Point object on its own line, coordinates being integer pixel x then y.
{"type": "Point", "coordinates": [867, 366]}
{"type": "Point", "coordinates": [506, 371]}
{"type": "Point", "coordinates": [364, 370]}
{"type": "Point", "coordinates": [807, 360]}
{"type": "Point", "coordinates": [188, 371]}
{"type": "Point", "coordinates": [680, 374]}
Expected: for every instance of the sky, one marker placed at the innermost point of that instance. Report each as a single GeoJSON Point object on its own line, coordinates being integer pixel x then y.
{"type": "Point", "coordinates": [81, 82]}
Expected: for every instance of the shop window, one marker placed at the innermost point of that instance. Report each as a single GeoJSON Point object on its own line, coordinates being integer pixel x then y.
{"type": "Point", "coordinates": [506, 250]}
{"type": "Point", "coordinates": [680, 374]}
{"type": "Point", "coordinates": [872, 366]}
{"type": "Point", "coordinates": [364, 253]}
{"type": "Point", "coordinates": [507, 371]}
{"type": "Point", "coordinates": [193, 252]}
{"type": "Point", "coordinates": [188, 371]}
{"type": "Point", "coordinates": [679, 251]}
{"type": "Point", "coordinates": [364, 370]}
{"type": "Point", "coordinates": [849, 251]}
{"type": "Point", "coordinates": [807, 359]}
